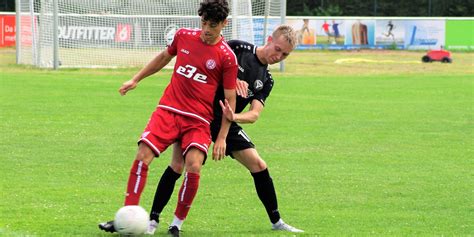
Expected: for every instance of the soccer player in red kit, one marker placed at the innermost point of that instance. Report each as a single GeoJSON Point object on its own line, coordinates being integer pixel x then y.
{"type": "Point", "coordinates": [204, 61]}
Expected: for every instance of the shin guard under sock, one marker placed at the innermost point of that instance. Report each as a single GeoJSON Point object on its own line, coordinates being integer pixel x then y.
{"type": "Point", "coordinates": [266, 193]}
{"type": "Point", "coordinates": [136, 182]}
{"type": "Point", "coordinates": [163, 192]}
{"type": "Point", "coordinates": [187, 192]}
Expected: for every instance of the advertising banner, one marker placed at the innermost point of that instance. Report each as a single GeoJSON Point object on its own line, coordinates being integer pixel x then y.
{"type": "Point", "coordinates": [424, 34]}
{"type": "Point", "coordinates": [26, 29]}
{"type": "Point", "coordinates": [258, 36]}
{"type": "Point", "coordinates": [93, 31]}
{"type": "Point", "coordinates": [7, 31]}
{"type": "Point", "coordinates": [318, 34]}
{"type": "Point", "coordinates": [312, 32]}
{"type": "Point", "coordinates": [459, 35]}
{"type": "Point", "coordinates": [360, 33]}
{"type": "Point", "coordinates": [390, 33]}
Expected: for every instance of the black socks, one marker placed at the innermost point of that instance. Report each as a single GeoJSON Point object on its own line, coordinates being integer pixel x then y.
{"type": "Point", "coordinates": [266, 193]}
{"type": "Point", "coordinates": [163, 192]}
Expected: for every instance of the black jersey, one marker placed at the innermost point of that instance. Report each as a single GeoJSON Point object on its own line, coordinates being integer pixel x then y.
{"type": "Point", "coordinates": [253, 72]}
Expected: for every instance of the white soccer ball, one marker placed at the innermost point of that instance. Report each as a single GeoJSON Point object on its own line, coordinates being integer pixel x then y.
{"type": "Point", "coordinates": [131, 220]}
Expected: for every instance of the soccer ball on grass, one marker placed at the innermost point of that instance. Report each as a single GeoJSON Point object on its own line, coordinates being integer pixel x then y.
{"type": "Point", "coordinates": [131, 220]}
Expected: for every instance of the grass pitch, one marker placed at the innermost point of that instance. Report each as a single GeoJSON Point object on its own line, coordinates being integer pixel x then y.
{"type": "Point", "coordinates": [381, 149]}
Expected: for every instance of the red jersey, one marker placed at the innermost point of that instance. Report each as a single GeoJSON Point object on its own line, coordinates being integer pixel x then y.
{"type": "Point", "coordinates": [326, 27]}
{"type": "Point", "coordinates": [199, 70]}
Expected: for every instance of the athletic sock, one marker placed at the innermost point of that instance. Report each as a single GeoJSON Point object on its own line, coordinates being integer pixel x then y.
{"type": "Point", "coordinates": [163, 192]}
{"type": "Point", "coordinates": [136, 182]}
{"type": "Point", "coordinates": [266, 193]}
{"type": "Point", "coordinates": [187, 192]}
{"type": "Point", "coordinates": [177, 222]}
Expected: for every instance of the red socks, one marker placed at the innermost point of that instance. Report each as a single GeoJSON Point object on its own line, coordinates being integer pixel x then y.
{"type": "Point", "coordinates": [136, 182]}
{"type": "Point", "coordinates": [187, 192]}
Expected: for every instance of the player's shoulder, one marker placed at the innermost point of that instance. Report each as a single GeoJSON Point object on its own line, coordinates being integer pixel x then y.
{"type": "Point", "coordinates": [241, 45]}
{"type": "Point", "coordinates": [226, 53]}
{"type": "Point", "coordinates": [188, 32]}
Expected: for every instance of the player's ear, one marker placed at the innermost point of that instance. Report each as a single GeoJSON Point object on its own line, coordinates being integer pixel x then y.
{"type": "Point", "coordinates": [269, 39]}
{"type": "Point", "coordinates": [225, 22]}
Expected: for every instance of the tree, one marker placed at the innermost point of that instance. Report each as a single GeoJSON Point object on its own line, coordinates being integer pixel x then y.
{"type": "Point", "coordinates": [7, 6]}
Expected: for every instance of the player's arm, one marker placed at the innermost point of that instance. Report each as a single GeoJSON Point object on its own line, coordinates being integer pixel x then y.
{"type": "Point", "coordinates": [155, 65]}
{"type": "Point", "coordinates": [251, 116]}
{"type": "Point", "coordinates": [220, 144]}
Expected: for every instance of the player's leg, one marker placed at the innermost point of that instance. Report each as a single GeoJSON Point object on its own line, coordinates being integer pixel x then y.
{"type": "Point", "coordinates": [262, 180]}
{"type": "Point", "coordinates": [195, 141]}
{"type": "Point", "coordinates": [194, 159]}
{"type": "Point", "coordinates": [136, 181]}
{"type": "Point", "coordinates": [149, 146]}
{"type": "Point", "coordinates": [138, 174]}
{"type": "Point", "coordinates": [165, 187]}
{"type": "Point", "coordinates": [264, 186]}
{"type": "Point", "coordinates": [160, 132]}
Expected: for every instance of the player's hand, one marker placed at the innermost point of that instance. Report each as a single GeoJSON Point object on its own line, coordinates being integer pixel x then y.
{"type": "Point", "coordinates": [126, 86]}
{"type": "Point", "coordinates": [227, 111]}
{"type": "Point", "coordinates": [242, 88]}
{"type": "Point", "coordinates": [218, 152]}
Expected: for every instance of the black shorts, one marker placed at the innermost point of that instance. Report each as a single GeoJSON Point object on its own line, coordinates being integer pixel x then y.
{"type": "Point", "coordinates": [236, 140]}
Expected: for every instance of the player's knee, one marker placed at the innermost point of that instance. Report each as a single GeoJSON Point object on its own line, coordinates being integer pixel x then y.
{"type": "Point", "coordinates": [194, 167]}
{"type": "Point", "coordinates": [194, 159]}
{"type": "Point", "coordinates": [144, 154]}
{"type": "Point", "coordinates": [177, 166]}
{"type": "Point", "coordinates": [261, 165]}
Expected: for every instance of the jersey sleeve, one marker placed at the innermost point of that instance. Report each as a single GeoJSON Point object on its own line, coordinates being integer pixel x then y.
{"type": "Point", "coordinates": [230, 70]}
{"type": "Point", "coordinates": [230, 77]}
{"type": "Point", "coordinates": [173, 46]}
{"type": "Point", "coordinates": [267, 88]}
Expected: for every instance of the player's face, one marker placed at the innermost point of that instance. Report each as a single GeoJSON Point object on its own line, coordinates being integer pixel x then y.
{"type": "Point", "coordinates": [277, 50]}
{"type": "Point", "coordinates": [211, 31]}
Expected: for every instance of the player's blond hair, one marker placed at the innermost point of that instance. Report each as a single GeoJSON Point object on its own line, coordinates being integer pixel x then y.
{"type": "Point", "coordinates": [288, 32]}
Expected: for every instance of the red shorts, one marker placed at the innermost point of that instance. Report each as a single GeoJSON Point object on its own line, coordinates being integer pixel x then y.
{"type": "Point", "coordinates": [166, 127]}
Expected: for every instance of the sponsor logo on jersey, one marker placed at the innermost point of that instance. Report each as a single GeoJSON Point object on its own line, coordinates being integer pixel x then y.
{"type": "Point", "coordinates": [189, 71]}
{"type": "Point", "coordinates": [258, 85]}
{"type": "Point", "coordinates": [210, 64]}
{"type": "Point", "coordinates": [184, 51]}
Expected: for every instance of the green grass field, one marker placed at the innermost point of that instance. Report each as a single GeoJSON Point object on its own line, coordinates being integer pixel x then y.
{"type": "Point", "coordinates": [378, 148]}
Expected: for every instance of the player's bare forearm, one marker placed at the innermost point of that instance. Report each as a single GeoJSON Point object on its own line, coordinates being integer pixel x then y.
{"type": "Point", "coordinates": [230, 96]}
{"type": "Point", "coordinates": [155, 65]}
{"type": "Point", "coordinates": [246, 117]}
{"type": "Point", "coordinates": [252, 115]}
{"type": "Point", "coordinates": [220, 143]}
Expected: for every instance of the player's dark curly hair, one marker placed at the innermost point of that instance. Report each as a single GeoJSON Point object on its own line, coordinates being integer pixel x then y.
{"type": "Point", "coordinates": [214, 10]}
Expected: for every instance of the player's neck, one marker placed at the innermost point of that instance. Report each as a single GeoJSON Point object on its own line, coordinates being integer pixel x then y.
{"type": "Point", "coordinates": [260, 55]}
{"type": "Point", "coordinates": [211, 42]}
